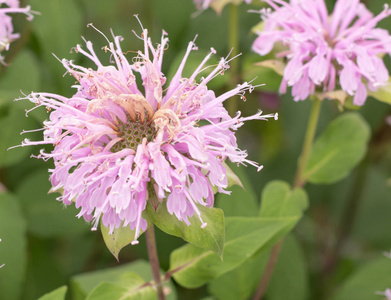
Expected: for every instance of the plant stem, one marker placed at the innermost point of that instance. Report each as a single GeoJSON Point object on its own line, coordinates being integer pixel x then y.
{"type": "Point", "coordinates": [298, 182]}
{"type": "Point", "coordinates": [233, 45]}
{"type": "Point", "coordinates": [268, 271]}
{"type": "Point", "coordinates": [154, 260]}
{"type": "Point", "coordinates": [309, 138]}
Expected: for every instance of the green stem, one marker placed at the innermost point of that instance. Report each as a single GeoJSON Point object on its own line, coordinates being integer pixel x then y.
{"type": "Point", "coordinates": [233, 45]}
{"type": "Point", "coordinates": [298, 182]}
{"type": "Point", "coordinates": [154, 260]}
{"type": "Point", "coordinates": [309, 138]}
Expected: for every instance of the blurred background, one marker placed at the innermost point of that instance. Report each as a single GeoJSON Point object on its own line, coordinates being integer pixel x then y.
{"type": "Point", "coordinates": [44, 246]}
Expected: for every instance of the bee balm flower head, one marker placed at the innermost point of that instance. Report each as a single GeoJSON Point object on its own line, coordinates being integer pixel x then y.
{"type": "Point", "coordinates": [118, 142]}
{"type": "Point", "coordinates": [7, 35]}
{"type": "Point", "coordinates": [343, 49]}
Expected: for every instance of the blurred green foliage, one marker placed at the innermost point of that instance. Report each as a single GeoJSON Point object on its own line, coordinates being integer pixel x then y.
{"type": "Point", "coordinates": [44, 246]}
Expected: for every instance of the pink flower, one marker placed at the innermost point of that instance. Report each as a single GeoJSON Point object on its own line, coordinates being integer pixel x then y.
{"type": "Point", "coordinates": [6, 29]}
{"type": "Point", "coordinates": [325, 52]}
{"type": "Point", "coordinates": [117, 142]}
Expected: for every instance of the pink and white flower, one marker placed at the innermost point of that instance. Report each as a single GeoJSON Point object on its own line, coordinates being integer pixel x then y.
{"type": "Point", "coordinates": [7, 34]}
{"type": "Point", "coordinates": [118, 143]}
{"type": "Point", "coordinates": [341, 50]}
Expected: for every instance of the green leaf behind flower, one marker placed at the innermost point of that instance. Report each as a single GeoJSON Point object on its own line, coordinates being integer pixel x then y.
{"type": "Point", "coordinates": [383, 93]}
{"type": "Point", "coordinates": [84, 284]}
{"type": "Point", "coordinates": [128, 287]}
{"type": "Point", "coordinates": [211, 237]}
{"type": "Point", "coordinates": [57, 294]}
{"type": "Point", "coordinates": [369, 279]}
{"type": "Point", "coordinates": [120, 238]}
{"type": "Point", "coordinates": [278, 200]}
{"type": "Point", "coordinates": [248, 275]}
{"type": "Point", "coordinates": [12, 247]}
{"type": "Point", "coordinates": [47, 217]}
{"type": "Point", "coordinates": [193, 266]}
{"type": "Point", "coordinates": [340, 147]}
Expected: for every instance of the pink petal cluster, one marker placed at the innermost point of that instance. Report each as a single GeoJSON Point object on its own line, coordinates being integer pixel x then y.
{"type": "Point", "coordinates": [6, 28]}
{"type": "Point", "coordinates": [204, 4]}
{"type": "Point", "coordinates": [343, 49]}
{"type": "Point", "coordinates": [117, 142]}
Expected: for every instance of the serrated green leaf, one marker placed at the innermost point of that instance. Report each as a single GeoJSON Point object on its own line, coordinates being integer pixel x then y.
{"type": "Point", "coordinates": [83, 284]}
{"type": "Point", "coordinates": [244, 237]}
{"type": "Point", "coordinates": [279, 201]}
{"type": "Point", "coordinates": [340, 147]}
{"type": "Point", "coordinates": [128, 287]}
{"type": "Point", "coordinates": [369, 279]}
{"type": "Point", "coordinates": [57, 294]}
{"type": "Point", "coordinates": [47, 217]}
{"type": "Point", "coordinates": [120, 238]}
{"type": "Point", "coordinates": [13, 252]}
{"type": "Point", "coordinates": [211, 237]}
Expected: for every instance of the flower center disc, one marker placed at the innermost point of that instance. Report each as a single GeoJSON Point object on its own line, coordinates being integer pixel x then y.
{"type": "Point", "coordinates": [133, 134]}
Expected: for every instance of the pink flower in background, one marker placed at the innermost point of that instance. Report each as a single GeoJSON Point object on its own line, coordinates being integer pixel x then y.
{"type": "Point", "coordinates": [341, 50]}
{"type": "Point", "coordinates": [6, 28]}
{"type": "Point", "coordinates": [118, 142]}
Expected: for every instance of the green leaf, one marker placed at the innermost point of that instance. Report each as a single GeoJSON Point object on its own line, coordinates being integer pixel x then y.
{"type": "Point", "coordinates": [246, 278]}
{"type": "Point", "coordinates": [22, 76]}
{"type": "Point", "coordinates": [232, 178]}
{"type": "Point", "coordinates": [57, 294]}
{"type": "Point", "coordinates": [58, 29]}
{"type": "Point", "coordinates": [83, 284]}
{"type": "Point", "coordinates": [12, 122]}
{"type": "Point", "coordinates": [218, 5]}
{"type": "Point", "coordinates": [47, 217]}
{"type": "Point", "coordinates": [279, 201]}
{"type": "Point", "coordinates": [341, 147]}
{"type": "Point", "coordinates": [120, 237]}
{"type": "Point", "coordinates": [242, 201]}
{"type": "Point", "coordinates": [127, 288]}
{"type": "Point", "coordinates": [291, 260]}
{"type": "Point", "coordinates": [275, 65]}
{"type": "Point", "coordinates": [369, 279]}
{"type": "Point", "coordinates": [383, 93]}
{"type": "Point", "coordinates": [373, 222]}
{"type": "Point", "coordinates": [211, 237]}
{"type": "Point", "coordinates": [248, 275]}
{"type": "Point", "coordinates": [338, 95]}
{"type": "Point", "coordinates": [244, 237]}
{"type": "Point", "coordinates": [12, 248]}
{"type": "Point", "coordinates": [267, 72]}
